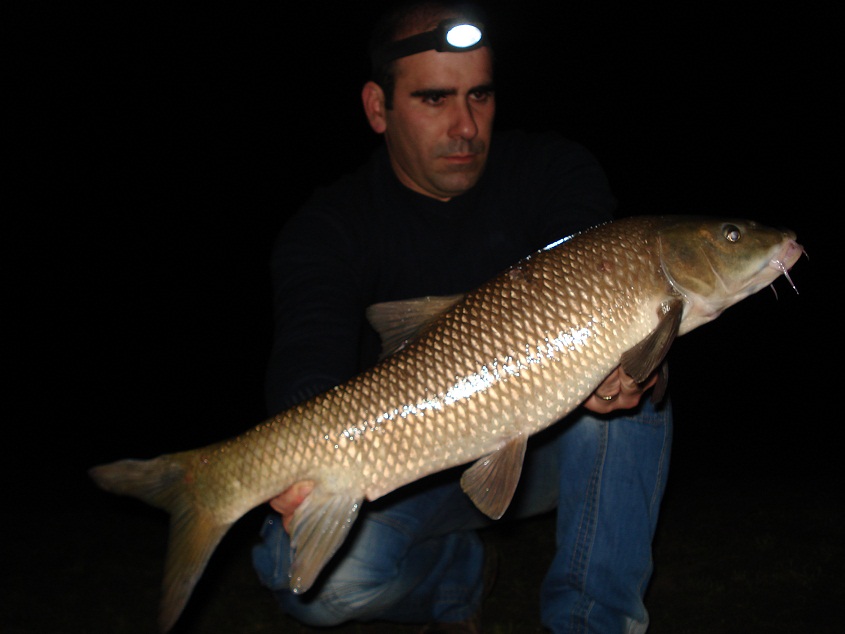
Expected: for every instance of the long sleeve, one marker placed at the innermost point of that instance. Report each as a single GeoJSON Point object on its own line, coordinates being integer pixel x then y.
{"type": "Point", "coordinates": [318, 308]}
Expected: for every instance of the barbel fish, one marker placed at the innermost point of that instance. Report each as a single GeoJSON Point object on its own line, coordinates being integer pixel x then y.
{"type": "Point", "coordinates": [469, 379]}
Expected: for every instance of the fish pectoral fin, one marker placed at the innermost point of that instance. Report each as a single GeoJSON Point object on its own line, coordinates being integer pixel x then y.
{"type": "Point", "coordinates": [318, 528]}
{"type": "Point", "coordinates": [659, 390]}
{"type": "Point", "coordinates": [490, 482]}
{"type": "Point", "coordinates": [643, 359]}
{"type": "Point", "coordinates": [401, 321]}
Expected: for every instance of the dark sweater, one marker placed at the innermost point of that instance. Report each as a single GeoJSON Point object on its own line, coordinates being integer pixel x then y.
{"type": "Point", "coordinates": [367, 239]}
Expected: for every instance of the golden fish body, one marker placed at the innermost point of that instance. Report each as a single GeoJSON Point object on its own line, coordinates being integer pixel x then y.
{"type": "Point", "coordinates": [472, 378]}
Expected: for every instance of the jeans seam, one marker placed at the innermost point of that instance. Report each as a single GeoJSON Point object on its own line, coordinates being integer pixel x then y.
{"type": "Point", "coordinates": [579, 563]}
{"type": "Point", "coordinates": [657, 491]}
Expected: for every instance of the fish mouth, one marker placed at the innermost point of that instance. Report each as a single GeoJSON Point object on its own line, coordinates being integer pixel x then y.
{"type": "Point", "coordinates": [788, 256]}
{"type": "Point", "coordinates": [786, 259]}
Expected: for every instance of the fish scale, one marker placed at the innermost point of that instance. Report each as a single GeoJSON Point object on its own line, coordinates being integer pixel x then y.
{"type": "Point", "coordinates": [454, 354]}
{"type": "Point", "coordinates": [472, 378]}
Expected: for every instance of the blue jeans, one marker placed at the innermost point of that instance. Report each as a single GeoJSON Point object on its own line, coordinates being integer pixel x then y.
{"type": "Point", "coordinates": [610, 474]}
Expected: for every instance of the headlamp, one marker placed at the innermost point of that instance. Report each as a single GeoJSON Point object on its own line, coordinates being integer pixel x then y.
{"type": "Point", "coordinates": [454, 35]}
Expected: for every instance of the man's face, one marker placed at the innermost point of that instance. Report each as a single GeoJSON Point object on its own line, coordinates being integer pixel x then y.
{"type": "Point", "coordinates": [438, 132]}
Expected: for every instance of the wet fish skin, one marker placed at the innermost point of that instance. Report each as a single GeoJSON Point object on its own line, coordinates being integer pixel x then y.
{"type": "Point", "coordinates": [473, 377]}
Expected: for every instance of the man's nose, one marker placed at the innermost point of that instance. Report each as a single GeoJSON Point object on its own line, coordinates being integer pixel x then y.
{"type": "Point", "coordinates": [463, 122]}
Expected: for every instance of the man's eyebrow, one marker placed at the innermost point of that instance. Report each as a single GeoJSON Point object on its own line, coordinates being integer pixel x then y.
{"type": "Point", "coordinates": [483, 88]}
{"type": "Point", "coordinates": [434, 92]}
{"type": "Point", "coordinates": [428, 93]}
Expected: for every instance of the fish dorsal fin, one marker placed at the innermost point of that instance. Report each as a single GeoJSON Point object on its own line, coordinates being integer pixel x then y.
{"type": "Point", "coordinates": [401, 321]}
{"type": "Point", "coordinates": [319, 526]}
{"type": "Point", "coordinates": [490, 483]}
{"type": "Point", "coordinates": [640, 361]}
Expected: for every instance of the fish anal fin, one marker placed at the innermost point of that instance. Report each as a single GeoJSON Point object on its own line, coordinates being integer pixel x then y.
{"type": "Point", "coordinates": [401, 321]}
{"type": "Point", "coordinates": [643, 359]}
{"type": "Point", "coordinates": [490, 482]}
{"type": "Point", "coordinates": [319, 526]}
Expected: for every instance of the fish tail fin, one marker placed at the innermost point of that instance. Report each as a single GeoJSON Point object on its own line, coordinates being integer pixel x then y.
{"type": "Point", "coordinates": [194, 532]}
{"type": "Point", "coordinates": [155, 481]}
{"type": "Point", "coordinates": [193, 537]}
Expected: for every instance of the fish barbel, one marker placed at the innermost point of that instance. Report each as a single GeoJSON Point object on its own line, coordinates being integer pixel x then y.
{"type": "Point", "coordinates": [470, 378]}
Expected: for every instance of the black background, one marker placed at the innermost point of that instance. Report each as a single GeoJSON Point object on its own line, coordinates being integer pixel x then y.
{"type": "Point", "coordinates": [164, 147]}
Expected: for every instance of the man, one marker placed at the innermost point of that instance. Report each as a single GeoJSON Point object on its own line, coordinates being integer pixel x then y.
{"type": "Point", "coordinates": [442, 207]}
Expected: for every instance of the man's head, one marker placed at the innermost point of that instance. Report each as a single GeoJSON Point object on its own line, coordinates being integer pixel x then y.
{"type": "Point", "coordinates": [435, 109]}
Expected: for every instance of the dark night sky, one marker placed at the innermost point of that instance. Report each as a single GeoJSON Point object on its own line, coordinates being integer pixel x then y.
{"type": "Point", "coordinates": [171, 145]}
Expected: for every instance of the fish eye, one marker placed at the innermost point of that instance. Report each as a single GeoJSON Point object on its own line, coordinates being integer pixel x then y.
{"type": "Point", "coordinates": [732, 233]}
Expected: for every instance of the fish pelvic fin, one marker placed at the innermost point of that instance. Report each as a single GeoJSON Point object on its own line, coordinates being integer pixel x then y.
{"type": "Point", "coordinates": [647, 356]}
{"type": "Point", "coordinates": [318, 528]}
{"type": "Point", "coordinates": [491, 482]}
{"type": "Point", "coordinates": [194, 532]}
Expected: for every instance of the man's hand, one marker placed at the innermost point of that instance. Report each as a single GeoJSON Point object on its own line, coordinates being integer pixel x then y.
{"type": "Point", "coordinates": [618, 391]}
{"type": "Point", "coordinates": [288, 501]}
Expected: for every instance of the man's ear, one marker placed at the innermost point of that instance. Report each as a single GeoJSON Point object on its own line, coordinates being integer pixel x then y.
{"type": "Point", "coordinates": [373, 98]}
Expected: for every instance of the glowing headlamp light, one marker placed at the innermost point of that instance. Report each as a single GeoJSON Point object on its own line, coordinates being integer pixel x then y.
{"type": "Point", "coordinates": [454, 35]}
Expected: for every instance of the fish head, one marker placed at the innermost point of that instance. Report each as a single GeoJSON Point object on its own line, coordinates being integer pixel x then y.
{"type": "Point", "coordinates": [715, 263]}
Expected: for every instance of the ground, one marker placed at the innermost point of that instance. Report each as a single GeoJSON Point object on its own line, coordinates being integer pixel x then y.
{"type": "Point", "coordinates": [753, 554]}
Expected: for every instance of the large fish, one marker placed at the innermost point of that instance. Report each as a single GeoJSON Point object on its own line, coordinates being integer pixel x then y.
{"type": "Point", "coordinates": [470, 379]}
